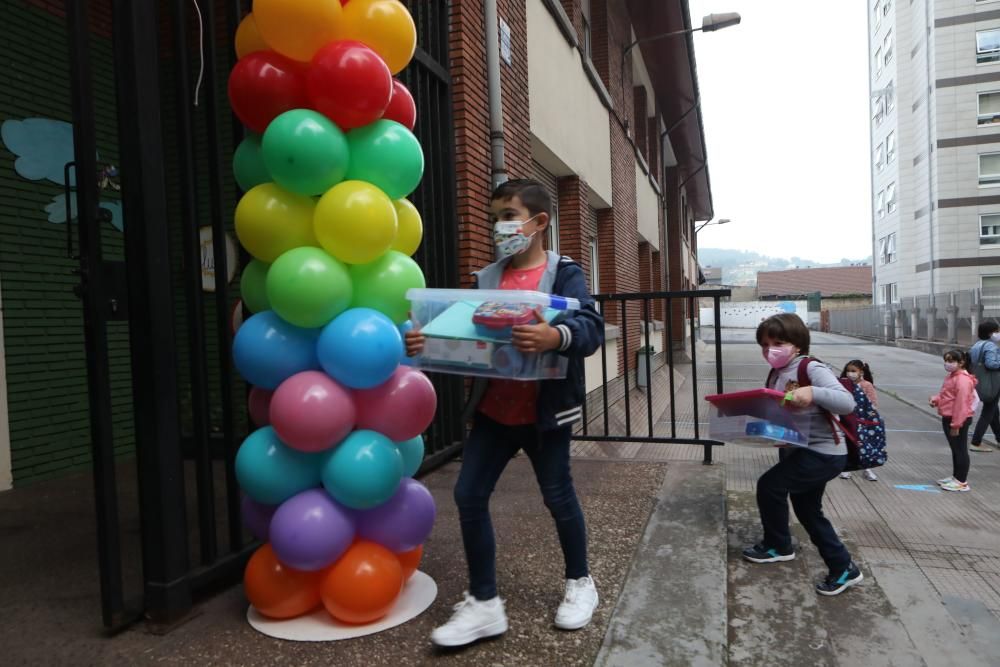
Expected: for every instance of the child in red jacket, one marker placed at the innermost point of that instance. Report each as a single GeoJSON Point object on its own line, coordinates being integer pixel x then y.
{"type": "Point", "coordinates": [956, 405]}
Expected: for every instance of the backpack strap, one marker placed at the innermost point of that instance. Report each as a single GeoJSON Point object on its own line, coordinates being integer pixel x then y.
{"type": "Point", "coordinates": [803, 377]}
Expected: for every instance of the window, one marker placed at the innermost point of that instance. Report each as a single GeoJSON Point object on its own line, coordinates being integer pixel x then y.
{"type": "Point", "coordinates": [585, 11]}
{"type": "Point", "coordinates": [553, 229]}
{"type": "Point", "coordinates": [887, 249]}
{"type": "Point", "coordinates": [989, 169]}
{"type": "Point", "coordinates": [595, 268]}
{"type": "Point", "coordinates": [989, 108]}
{"type": "Point", "coordinates": [890, 147]}
{"type": "Point", "coordinates": [887, 48]}
{"type": "Point", "coordinates": [988, 46]}
{"type": "Point", "coordinates": [989, 229]}
{"type": "Point", "coordinates": [878, 14]}
{"type": "Point", "coordinates": [878, 61]}
{"type": "Point", "coordinates": [878, 110]}
{"type": "Point", "coordinates": [880, 156]}
{"type": "Point", "coordinates": [890, 294]}
{"type": "Point", "coordinates": [880, 204]}
{"type": "Point", "coordinates": [890, 198]}
{"type": "Point", "coordinates": [990, 291]}
{"type": "Point", "coordinates": [890, 98]}
{"type": "Point", "coordinates": [885, 7]}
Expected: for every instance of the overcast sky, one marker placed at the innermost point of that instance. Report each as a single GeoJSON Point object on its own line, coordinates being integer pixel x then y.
{"type": "Point", "coordinates": [785, 104]}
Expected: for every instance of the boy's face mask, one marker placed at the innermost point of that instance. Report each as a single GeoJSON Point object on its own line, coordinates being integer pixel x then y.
{"type": "Point", "coordinates": [509, 237]}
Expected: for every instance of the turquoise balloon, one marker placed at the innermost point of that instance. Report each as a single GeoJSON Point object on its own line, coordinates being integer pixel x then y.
{"type": "Point", "coordinates": [248, 164]}
{"type": "Point", "coordinates": [412, 452]}
{"type": "Point", "coordinates": [363, 471]}
{"type": "Point", "coordinates": [271, 472]}
{"type": "Point", "coordinates": [305, 152]}
{"type": "Point", "coordinates": [388, 156]}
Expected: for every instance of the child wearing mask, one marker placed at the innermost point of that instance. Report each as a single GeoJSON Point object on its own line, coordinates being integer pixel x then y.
{"type": "Point", "coordinates": [956, 405]}
{"type": "Point", "coordinates": [860, 374]}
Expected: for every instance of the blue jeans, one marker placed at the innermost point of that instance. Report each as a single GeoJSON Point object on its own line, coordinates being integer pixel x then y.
{"type": "Point", "coordinates": [801, 475]}
{"type": "Point", "coordinates": [489, 447]}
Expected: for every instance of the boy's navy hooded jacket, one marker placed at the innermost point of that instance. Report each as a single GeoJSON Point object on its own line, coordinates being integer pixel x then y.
{"type": "Point", "coordinates": [560, 402]}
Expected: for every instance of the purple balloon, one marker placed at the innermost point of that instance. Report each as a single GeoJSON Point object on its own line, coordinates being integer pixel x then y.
{"type": "Point", "coordinates": [257, 517]}
{"type": "Point", "coordinates": [403, 522]}
{"type": "Point", "coordinates": [311, 530]}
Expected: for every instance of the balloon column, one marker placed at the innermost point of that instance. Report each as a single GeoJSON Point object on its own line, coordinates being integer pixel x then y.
{"type": "Point", "coordinates": [326, 167]}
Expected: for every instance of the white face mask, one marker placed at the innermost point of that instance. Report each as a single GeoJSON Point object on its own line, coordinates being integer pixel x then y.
{"type": "Point", "coordinates": [854, 376]}
{"type": "Point", "coordinates": [509, 237]}
{"type": "Point", "coordinates": [995, 337]}
{"type": "Point", "coordinates": [951, 366]}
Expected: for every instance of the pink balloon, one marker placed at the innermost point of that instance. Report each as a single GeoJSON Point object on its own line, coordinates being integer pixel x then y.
{"type": "Point", "coordinates": [259, 403]}
{"type": "Point", "coordinates": [311, 413]}
{"type": "Point", "coordinates": [400, 409]}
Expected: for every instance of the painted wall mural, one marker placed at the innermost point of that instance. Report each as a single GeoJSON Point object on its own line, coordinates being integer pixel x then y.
{"type": "Point", "coordinates": [44, 147]}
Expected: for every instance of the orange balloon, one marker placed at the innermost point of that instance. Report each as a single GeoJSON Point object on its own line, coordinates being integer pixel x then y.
{"type": "Point", "coordinates": [362, 586]}
{"type": "Point", "coordinates": [297, 28]}
{"type": "Point", "coordinates": [385, 26]}
{"type": "Point", "coordinates": [278, 591]}
{"type": "Point", "coordinates": [248, 39]}
{"type": "Point", "coordinates": [410, 561]}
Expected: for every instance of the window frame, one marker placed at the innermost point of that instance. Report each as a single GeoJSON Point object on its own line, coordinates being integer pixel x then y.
{"type": "Point", "coordinates": [587, 43]}
{"type": "Point", "coordinates": [878, 61]}
{"type": "Point", "coordinates": [995, 118]}
{"type": "Point", "coordinates": [887, 49]}
{"type": "Point", "coordinates": [880, 204]}
{"type": "Point", "coordinates": [995, 235]}
{"type": "Point", "coordinates": [595, 266]}
{"type": "Point", "coordinates": [993, 179]}
{"type": "Point", "coordinates": [987, 57]}
{"type": "Point", "coordinates": [880, 160]}
{"type": "Point", "coordinates": [890, 153]}
{"type": "Point", "coordinates": [890, 198]}
{"type": "Point", "coordinates": [890, 98]}
{"type": "Point", "coordinates": [878, 13]}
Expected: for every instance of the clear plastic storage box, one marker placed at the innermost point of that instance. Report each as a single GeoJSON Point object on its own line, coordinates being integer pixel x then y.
{"type": "Point", "coordinates": [468, 332]}
{"type": "Point", "coordinates": [757, 417]}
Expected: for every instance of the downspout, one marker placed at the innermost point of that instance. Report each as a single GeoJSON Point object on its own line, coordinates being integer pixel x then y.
{"type": "Point", "coordinates": [498, 173]}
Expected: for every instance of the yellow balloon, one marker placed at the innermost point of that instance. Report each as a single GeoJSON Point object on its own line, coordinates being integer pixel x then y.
{"type": "Point", "coordinates": [385, 26]}
{"type": "Point", "coordinates": [248, 39]}
{"type": "Point", "coordinates": [271, 221]}
{"type": "Point", "coordinates": [411, 227]}
{"type": "Point", "coordinates": [355, 222]}
{"type": "Point", "coordinates": [297, 28]}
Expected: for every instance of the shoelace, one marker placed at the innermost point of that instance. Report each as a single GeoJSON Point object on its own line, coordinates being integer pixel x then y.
{"type": "Point", "coordinates": [461, 608]}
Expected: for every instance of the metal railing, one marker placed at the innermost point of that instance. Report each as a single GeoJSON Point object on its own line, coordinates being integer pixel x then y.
{"type": "Point", "coordinates": [639, 404]}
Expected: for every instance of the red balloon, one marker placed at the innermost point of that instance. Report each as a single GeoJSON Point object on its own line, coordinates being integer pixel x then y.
{"type": "Point", "coordinates": [402, 108]}
{"type": "Point", "coordinates": [400, 409]}
{"type": "Point", "coordinates": [349, 84]}
{"type": "Point", "coordinates": [265, 84]}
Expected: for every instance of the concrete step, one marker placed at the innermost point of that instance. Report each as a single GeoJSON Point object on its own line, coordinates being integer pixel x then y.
{"type": "Point", "coordinates": [776, 617]}
{"type": "Point", "coordinates": [672, 608]}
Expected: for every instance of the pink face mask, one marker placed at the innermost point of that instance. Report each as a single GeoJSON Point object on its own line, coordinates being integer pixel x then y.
{"type": "Point", "coordinates": [778, 356]}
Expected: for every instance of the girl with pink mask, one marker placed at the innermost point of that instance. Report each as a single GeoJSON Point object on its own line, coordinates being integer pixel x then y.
{"type": "Point", "coordinates": [802, 473]}
{"type": "Point", "coordinates": [956, 405]}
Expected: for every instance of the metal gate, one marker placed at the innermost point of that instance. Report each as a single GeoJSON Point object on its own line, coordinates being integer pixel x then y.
{"type": "Point", "coordinates": [178, 194]}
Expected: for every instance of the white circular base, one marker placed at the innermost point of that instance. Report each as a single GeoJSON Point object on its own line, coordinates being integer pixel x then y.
{"type": "Point", "coordinates": [418, 594]}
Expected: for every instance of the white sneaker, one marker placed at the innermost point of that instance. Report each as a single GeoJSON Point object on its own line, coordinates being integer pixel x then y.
{"type": "Point", "coordinates": [578, 605]}
{"type": "Point", "coordinates": [945, 480]}
{"type": "Point", "coordinates": [955, 485]}
{"type": "Point", "coordinates": [473, 619]}
{"type": "Point", "coordinates": [845, 475]}
{"type": "Point", "coordinates": [870, 476]}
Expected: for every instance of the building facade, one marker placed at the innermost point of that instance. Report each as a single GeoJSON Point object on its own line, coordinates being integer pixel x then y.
{"type": "Point", "coordinates": [935, 139]}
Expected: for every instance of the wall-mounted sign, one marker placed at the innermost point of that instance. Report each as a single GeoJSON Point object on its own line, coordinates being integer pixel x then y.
{"type": "Point", "coordinates": [208, 259]}
{"type": "Point", "coordinates": [505, 41]}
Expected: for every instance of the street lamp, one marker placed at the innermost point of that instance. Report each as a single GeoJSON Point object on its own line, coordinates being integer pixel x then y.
{"type": "Point", "coordinates": [723, 221]}
{"type": "Point", "coordinates": [710, 23]}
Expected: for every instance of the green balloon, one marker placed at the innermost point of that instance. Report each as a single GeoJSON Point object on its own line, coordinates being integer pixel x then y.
{"type": "Point", "coordinates": [382, 284]}
{"type": "Point", "coordinates": [388, 156]}
{"type": "Point", "coordinates": [248, 164]}
{"type": "Point", "coordinates": [253, 288]}
{"type": "Point", "coordinates": [308, 288]}
{"type": "Point", "coordinates": [305, 152]}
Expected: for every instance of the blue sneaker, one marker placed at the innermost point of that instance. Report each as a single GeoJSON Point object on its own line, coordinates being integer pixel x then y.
{"type": "Point", "coordinates": [759, 553]}
{"type": "Point", "coordinates": [835, 584]}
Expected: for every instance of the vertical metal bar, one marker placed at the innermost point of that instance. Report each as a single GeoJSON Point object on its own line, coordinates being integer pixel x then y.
{"type": "Point", "coordinates": [151, 312]}
{"type": "Point", "coordinates": [604, 375]}
{"type": "Point", "coordinates": [649, 369]}
{"type": "Point", "coordinates": [718, 345]}
{"type": "Point", "coordinates": [95, 328]}
{"type": "Point", "coordinates": [670, 363]}
{"type": "Point", "coordinates": [694, 380]}
{"type": "Point", "coordinates": [219, 238]}
{"type": "Point", "coordinates": [68, 196]}
{"type": "Point", "coordinates": [204, 477]}
{"type": "Point", "coordinates": [628, 408]}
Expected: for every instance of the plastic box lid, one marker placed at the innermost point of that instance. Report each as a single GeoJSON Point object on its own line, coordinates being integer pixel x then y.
{"type": "Point", "coordinates": [540, 299]}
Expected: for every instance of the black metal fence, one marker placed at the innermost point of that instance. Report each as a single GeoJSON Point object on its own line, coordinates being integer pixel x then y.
{"type": "Point", "coordinates": [640, 405]}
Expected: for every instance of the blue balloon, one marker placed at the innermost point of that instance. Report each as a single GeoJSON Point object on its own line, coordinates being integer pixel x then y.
{"type": "Point", "coordinates": [360, 348]}
{"type": "Point", "coordinates": [268, 350]}
{"type": "Point", "coordinates": [364, 470]}
{"type": "Point", "coordinates": [412, 452]}
{"type": "Point", "coordinates": [271, 472]}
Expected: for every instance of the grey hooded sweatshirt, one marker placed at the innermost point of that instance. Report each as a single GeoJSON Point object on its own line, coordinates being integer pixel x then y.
{"type": "Point", "coordinates": [828, 394]}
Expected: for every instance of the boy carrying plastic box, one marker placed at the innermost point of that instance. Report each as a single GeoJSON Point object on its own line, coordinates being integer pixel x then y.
{"type": "Point", "coordinates": [538, 417]}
